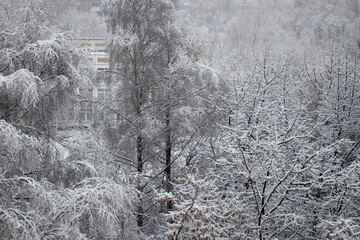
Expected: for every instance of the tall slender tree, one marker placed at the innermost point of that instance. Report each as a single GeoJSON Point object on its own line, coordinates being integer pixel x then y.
{"type": "Point", "coordinates": [137, 29]}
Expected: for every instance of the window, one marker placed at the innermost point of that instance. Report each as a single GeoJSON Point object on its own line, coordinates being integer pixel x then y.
{"type": "Point", "coordinates": [86, 115]}
{"type": "Point", "coordinates": [103, 60]}
{"type": "Point", "coordinates": [99, 44]}
{"type": "Point", "coordinates": [95, 4]}
{"type": "Point", "coordinates": [104, 94]}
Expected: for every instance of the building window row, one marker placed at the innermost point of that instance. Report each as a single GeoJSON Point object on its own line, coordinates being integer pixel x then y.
{"type": "Point", "coordinates": [87, 115]}
{"type": "Point", "coordinates": [95, 4]}
{"type": "Point", "coordinates": [102, 93]}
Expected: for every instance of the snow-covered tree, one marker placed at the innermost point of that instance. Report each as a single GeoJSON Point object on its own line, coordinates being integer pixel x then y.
{"type": "Point", "coordinates": [277, 149]}
{"type": "Point", "coordinates": [46, 194]}
{"type": "Point", "coordinates": [203, 211]}
{"type": "Point", "coordinates": [332, 79]}
{"type": "Point", "coordinates": [156, 66]}
{"type": "Point", "coordinates": [137, 28]}
{"type": "Point", "coordinates": [48, 189]}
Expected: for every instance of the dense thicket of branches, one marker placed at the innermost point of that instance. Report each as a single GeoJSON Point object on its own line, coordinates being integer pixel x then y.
{"type": "Point", "coordinates": [53, 184]}
{"type": "Point", "coordinates": [242, 131]}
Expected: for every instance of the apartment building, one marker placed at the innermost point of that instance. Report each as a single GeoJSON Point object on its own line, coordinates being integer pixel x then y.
{"type": "Point", "coordinates": [92, 6]}
{"type": "Point", "coordinates": [90, 108]}
{"type": "Point", "coordinates": [98, 57]}
{"type": "Point", "coordinates": [94, 97]}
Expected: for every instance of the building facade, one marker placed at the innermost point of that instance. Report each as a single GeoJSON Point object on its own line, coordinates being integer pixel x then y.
{"type": "Point", "coordinates": [90, 108]}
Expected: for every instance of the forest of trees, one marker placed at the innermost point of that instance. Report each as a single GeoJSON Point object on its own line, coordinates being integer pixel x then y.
{"type": "Point", "coordinates": [231, 122]}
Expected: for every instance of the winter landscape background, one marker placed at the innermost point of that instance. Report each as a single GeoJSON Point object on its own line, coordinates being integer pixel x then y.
{"type": "Point", "coordinates": [169, 119]}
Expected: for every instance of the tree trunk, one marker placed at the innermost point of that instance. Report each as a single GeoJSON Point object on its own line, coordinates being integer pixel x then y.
{"type": "Point", "coordinates": [168, 149]}
{"type": "Point", "coordinates": [139, 149]}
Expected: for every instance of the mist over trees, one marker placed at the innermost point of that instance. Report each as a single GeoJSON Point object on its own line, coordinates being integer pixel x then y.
{"type": "Point", "coordinates": [231, 119]}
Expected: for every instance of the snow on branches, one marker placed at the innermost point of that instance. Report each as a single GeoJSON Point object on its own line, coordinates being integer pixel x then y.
{"type": "Point", "coordinates": [21, 87]}
{"type": "Point", "coordinates": [203, 211]}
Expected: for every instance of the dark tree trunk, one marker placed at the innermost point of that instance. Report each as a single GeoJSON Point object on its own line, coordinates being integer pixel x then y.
{"type": "Point", "coordinates": [168, 149]}
{"type": "Point", "coordinates": [139, 148]}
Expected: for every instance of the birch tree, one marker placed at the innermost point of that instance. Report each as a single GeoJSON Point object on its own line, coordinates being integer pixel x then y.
{"type": "Point", "coordinates": [137, 29]}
